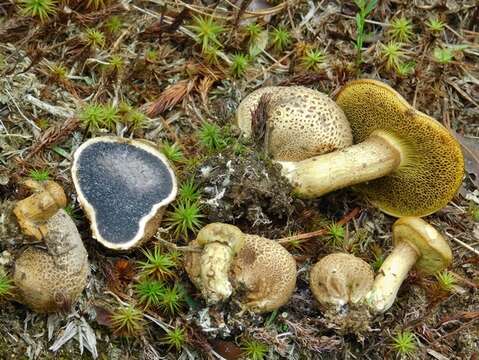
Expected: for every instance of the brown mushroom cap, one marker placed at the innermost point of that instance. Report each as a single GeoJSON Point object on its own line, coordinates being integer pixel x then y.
{"type": "Point", "coordinates": [267, 271]}
{"type": "Point", "coordinates": [434, 253]}
{"type": "Point", "coordinates": [338, 279]}
{"type": "Point", "coordinates": [432, 166]}
{"type": "Point", "coordinates": [302, 122]}
{"type": "Point", "coordinates": [123, 185]}
{"type": "Point", "coordinates": [260, 267]}
{"type": "Point", "coordinates": [52, 280]}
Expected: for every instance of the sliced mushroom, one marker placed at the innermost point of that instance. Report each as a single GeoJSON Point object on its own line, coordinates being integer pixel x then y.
{"type": "Point", "coordinates": [123, 185]}
{"type": "Point", "coordinates": [405, 162]}
{"type": "Point", "coordinates": [231, 261]}
{"type": "Point", "coordinates": [416, 244]}
{"type": "Point", "coordinates": [301, 122]}
{"type": "Point", "coordinates": [51, 279]}
{"type": "Point", "coordinates": [32, 213]}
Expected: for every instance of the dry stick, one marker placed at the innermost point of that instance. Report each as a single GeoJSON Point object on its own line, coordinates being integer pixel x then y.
{"type": "Point", "coordinates": [178, 248]}
{"type": "Point", "coordinates": [301, 237]}
{"type": "Point", "coordinates": [306, 237]}
{"type": "Point", "coordinates": [463, 244]}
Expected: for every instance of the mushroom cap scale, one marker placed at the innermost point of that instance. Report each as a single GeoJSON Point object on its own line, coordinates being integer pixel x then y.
{"type": "Point", "coordinates": [338, 279]}
{"type": "Point", "coordinates": [432, 164]}
{"type": "Point", "coordinates": [434, 253]}
{"type": "Point", "coordinates": [123, 186]}
{"type": "Point", "coordinates": [301, 122]}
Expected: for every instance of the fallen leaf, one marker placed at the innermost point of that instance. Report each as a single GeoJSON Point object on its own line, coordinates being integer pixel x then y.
{"type": "Point", "coordinates": [227, 349]}
{"type": "Point", "coordinates": [103, 316]}
{"type": "Point", "coordinates": [171, 96]}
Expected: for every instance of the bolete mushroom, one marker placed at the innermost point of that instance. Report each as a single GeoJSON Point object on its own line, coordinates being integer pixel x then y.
{"type": "Point", "coordinates": [301, 122]}
{"type": "Point", "coordinates": [339, 279]}
{"type": "Point", "coordinates": [340, 282]}
{"type": "Point", "coordinates": [124, 186]}
{"type": "Point", "coordinates": [231, 261]}
{"type": "Point", "coordinates": [416, 244]}
{"type": "Point", "coordinates": [51, 279]}
{"type": "Point", "coordinates": [404, 161]}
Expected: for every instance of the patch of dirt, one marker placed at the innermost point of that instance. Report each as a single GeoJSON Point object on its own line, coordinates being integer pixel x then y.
{"type": "Point", "coordinates": [247, 190]}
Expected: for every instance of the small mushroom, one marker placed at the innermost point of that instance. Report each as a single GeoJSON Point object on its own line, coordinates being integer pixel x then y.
{"type": "Point", "coordinates": [404, 161]}
{"type": "Point", "coordinates": [339, 279]}
{"type": "Point", "coordinates": [124, 186]}
{"type": "Point", "coordinates": [31, 213]}
{"type": "Point", "coordinates": [416, 243]}
{"type": "Point", "coordinates": [51, 279]}
{"type": "Point", "coordinates": [301, 122]}
{"type": "Point", "coordinates": [231, 261]}
{"type": "Point", "coordinates": [340, 282]}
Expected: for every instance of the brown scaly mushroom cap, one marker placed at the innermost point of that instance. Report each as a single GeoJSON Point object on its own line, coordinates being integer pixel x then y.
{"type": "Point", "coordinates": [32, 213]}
{"type": "Point", "coordinates": [339, 279]}
{"type": "Point", "coordinates": [231, 260]}
{"type": "Point", "coordinates": [301, 122]}
{"type": "Point", "coordinates": [50, 280]}
{"type": "Point", "coordinates": [405, 162]}
{"type": "Point", "coordinates": [124, 186]}
{"type": "Point", "coordinates": [416, 243]}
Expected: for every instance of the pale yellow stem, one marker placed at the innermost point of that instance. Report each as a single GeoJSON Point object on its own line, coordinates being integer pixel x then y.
{"type": "Point", "coordinates": [391, 275]}
{"type": "Point", "coordinates": [377, 156]}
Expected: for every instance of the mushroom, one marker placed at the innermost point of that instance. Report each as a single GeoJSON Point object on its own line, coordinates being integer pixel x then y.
{"type": "Point", "coordinates": [31, 213]}
{"type": "Point", "coordinates": [124, 186]}
{"type": "Point", "coordinates": [340, 282]}
{"type": "Point", "coordinates": [404, 161]}
{"type": "Point", "coordinates": [416, 243]}
{"type": "Point", "coordinates": [51, 279]}
{"type": "Point", "coordinates": [339, 279]}
{"type": "Point", "coordinates": [231, 261]}
{"type": "Point", "coordinates": [301, 122]}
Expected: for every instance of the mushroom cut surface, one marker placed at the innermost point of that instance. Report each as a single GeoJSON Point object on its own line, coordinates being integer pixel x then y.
{"type": "Point", "coordinates": [431, 165]}
{"type": "Point", "coordinates": [123, 186]}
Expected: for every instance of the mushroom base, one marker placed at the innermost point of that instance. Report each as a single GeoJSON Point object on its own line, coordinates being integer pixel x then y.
{"type": "Point", "coordinates": [351, 318]}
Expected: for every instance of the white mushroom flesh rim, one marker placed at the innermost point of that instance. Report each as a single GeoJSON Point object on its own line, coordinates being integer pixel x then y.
{"type": "Point", "coordinates": [122, 185]}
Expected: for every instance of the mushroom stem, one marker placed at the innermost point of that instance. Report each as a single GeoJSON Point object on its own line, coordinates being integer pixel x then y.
{"type": "Point", "coordinates": [215, 266]}
{"type": "Point", "coordinates": [391, 275]}
{"type": "Point", "coordinates": [377, 156]}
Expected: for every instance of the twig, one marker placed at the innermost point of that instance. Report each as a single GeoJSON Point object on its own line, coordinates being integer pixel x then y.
{"type": "Point", "coordinates": [178, 248]}
{"type": "Point", "coordinates": [463, 244]}
{"type": "Point", "coordinates": [306, 237]}
{"type": "Point", "coordinates": [464, 280]}
{"type": "Point", "coordinates": [51, 109]}
{"type": "Point", "coordinates": [32, 124]}
{"type": "Point", "coordinates": [184, 30]}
